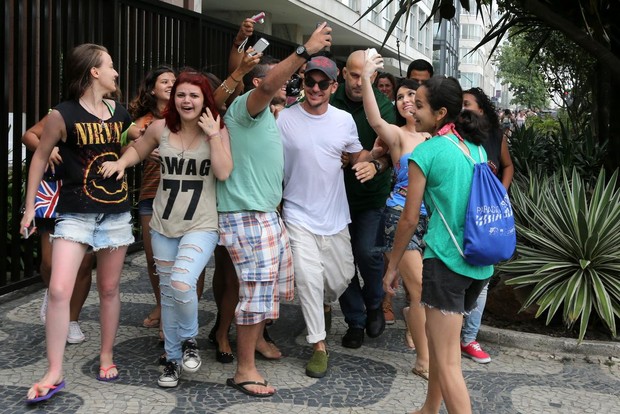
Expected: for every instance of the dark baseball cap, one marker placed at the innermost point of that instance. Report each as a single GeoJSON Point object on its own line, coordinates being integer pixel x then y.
{"type": "Point", "coordinates": [323, 64]}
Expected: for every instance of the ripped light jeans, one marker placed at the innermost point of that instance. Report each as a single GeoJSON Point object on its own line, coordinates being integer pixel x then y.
{"type": "Point", "coordinates": [179, 262]}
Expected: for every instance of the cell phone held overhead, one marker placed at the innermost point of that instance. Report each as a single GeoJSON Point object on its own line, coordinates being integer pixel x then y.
{"type": "Point", "coordinates": [259, 47]}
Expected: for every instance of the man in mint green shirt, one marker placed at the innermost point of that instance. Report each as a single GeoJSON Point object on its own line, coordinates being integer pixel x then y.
{"type": "Point", "coordinates": [250, 226]}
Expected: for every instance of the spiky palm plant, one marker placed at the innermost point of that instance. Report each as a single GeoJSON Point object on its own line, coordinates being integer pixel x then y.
{"type": "Point", "coordinates": [569, 248]}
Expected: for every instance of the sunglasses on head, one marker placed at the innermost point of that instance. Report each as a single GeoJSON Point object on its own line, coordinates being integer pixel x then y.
{"type": "Point", "coordinates": [323, 85]}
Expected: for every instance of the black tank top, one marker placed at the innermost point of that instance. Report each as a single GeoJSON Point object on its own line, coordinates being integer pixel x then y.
{"type": "Point", "coordinates": [90, 142]}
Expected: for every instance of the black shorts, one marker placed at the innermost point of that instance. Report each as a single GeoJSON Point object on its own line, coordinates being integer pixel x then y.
{"type": "Point", "coordinates": [448, 291]}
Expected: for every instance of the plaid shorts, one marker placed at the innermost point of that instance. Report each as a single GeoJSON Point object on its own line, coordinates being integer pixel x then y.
{"type": "Point", "coordinates": [259, 247]}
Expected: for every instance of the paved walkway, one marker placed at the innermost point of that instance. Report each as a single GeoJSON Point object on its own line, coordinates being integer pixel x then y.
{"type": "Point", "coordinates": [373, 379]}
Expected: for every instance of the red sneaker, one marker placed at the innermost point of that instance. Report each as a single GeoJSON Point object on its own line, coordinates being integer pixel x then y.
{"type": "Point", "coordinates": [474, 351]}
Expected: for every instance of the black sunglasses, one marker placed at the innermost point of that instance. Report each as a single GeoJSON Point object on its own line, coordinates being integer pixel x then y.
{"type": "Point", "coordinates": [323, 85]}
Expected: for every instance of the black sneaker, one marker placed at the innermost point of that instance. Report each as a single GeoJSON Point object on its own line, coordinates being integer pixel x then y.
{"type": "Point", "coordinates": [191, 358]}
{"type": "Point", "coordinates": [354, 338]}
{"type": "Point", "coordinates": [170, 377]}
{"type": "Point", "coordinates": [375, 322]}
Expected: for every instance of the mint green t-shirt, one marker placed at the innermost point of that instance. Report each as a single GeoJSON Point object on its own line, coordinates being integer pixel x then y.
{"type": "Point", "coordinates": [449, 174]}
{"type": "Point", "coordinates": [255, 182]}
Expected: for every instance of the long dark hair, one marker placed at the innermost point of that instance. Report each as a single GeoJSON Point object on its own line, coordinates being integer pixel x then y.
{"type": "Point", "coordinates": [488, 107]}
{"type": "Point", "coordinates": [404, 83]}
{"type": "Point", "coordinates": [145, 102]}
{"type": "Point", "coordinates": [171, 115]}
{"type": "Point", "coordinates": [447, 93]}
{"type": "Point", "coordinates": [80, 60]}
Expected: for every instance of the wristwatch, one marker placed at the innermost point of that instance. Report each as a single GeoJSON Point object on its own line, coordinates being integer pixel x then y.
{"type": "Point", "coordinates": [377, 165]}
{"type": "Point", "coordinates": [301, 51]}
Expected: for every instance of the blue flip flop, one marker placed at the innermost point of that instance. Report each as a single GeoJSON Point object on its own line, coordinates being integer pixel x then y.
{"type": "Point", "coordinates": [53, 389]}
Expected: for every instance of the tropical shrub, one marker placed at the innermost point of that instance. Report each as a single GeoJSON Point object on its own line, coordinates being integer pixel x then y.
{"type": "Point", "coordinates": [568, 244]}
{"type": "Point", "coordinates": [544, 150]}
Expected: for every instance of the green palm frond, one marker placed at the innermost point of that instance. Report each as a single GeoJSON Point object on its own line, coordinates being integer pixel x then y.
{"type": "Point", "coordinates": [568, 247]}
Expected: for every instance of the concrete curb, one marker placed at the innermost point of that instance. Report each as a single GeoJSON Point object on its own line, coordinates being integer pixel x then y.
{"type": "Point", "coordinates": [548, 344]}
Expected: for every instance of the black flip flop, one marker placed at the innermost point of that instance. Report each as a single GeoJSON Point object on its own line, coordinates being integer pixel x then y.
{"type": "Point", "coordinates": [241, 387]}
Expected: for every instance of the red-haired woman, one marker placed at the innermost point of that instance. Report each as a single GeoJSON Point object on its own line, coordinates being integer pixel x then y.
{"type": "Point", "coordinates": [194, 151]}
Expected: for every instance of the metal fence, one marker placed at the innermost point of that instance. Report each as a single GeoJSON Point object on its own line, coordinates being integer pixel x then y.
{"type": "Point", "coordinates": [37, 34]}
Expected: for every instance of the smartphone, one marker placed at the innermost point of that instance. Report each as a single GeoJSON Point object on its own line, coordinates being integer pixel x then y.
{"type": "Point", "coordinates": [260, 46]}
{"type": "Point", "coordinates": [326, 48]}
{"type": "Point", "coordinates": [28, 231]}
{"type": "Point", "coordinates": [259, 18]}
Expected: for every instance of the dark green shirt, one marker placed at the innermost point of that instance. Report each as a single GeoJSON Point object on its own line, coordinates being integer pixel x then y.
{"type": "Point", "coordinates": [373, 193]}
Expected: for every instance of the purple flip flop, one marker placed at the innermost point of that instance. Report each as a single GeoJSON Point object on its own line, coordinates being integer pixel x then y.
{"type": "Point", "coordinates": [105, 372]}
{"type": "Point", "coordinates": [53, 389]}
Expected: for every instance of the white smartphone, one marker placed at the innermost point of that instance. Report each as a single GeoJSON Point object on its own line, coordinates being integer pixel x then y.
{"type": "Point", "coordinates": [28, 231]}
{"type": "Point", "coordinates": [260, 46]}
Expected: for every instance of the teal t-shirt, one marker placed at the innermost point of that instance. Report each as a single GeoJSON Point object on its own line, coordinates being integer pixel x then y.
{"type": "Point", "coordinates": [449, 174]}
{"type": "Point", "coordinates": [371, 194]}
{"type": "Point", "coordinates": [255, 182]}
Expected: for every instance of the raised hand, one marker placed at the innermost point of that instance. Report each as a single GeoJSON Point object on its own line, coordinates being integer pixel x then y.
{"type": "Point", "coordinates": [245, 30]}
{"type": "Point", "coordinates": [248, 62]}
{"type": "Point", "coordinates": [372, 64]}
{"type": "Point", "coordinates": [210, 125]}
{"type": "Point", "coordinates": [320, 38]}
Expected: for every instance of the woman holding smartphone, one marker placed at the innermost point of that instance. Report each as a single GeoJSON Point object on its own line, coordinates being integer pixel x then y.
{"type": "Point", "coordinates": [93, 210]}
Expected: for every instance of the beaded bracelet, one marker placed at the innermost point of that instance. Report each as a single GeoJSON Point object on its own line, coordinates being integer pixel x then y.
{"type": "Point", "coordinates": [226, 88]}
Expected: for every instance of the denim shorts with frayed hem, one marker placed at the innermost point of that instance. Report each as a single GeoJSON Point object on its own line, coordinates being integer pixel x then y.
{"type": "Point", "coordinates": [387, 231]}
{"type": "Point", "coordinates": [448, 291]}
{"type": "Point", "coordinates": [98, 230]}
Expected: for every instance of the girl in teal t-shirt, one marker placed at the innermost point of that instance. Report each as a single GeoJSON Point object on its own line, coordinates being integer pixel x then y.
{"type": "Point", "coordinates": [440, 174]}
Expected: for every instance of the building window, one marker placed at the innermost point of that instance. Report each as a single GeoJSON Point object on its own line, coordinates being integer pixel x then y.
{"type": "Point", "coordinates": [429, 39]}
{"type": "Point", "coordinates": [388, 16]}
{"type": "Point", "coordinates": [352, 4]}
{"type": "Point", "coordinates": [413, 30]}
{"type": "Point", "coordinates": [421, 31]}
{"type": "Point", "coordinates": [375, 15]}
{"type": "Point", "coordinates": [471, 32]}
{"type": "Point", "coordinates": [466, 56]}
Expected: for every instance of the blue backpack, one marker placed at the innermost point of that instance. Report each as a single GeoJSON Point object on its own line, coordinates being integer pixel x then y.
{"type": "Point", "coordinates": [489, 233]}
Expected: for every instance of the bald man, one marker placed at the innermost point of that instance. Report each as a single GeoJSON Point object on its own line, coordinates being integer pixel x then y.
{"type": "Point", "coordinates": [362, 307]}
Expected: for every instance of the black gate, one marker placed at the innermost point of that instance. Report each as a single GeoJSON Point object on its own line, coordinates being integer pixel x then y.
{"type": "Point", "coordinates": [38, 33]}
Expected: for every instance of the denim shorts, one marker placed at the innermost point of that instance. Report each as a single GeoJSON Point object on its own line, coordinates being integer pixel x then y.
{"type": "Point", "coordinates": [387, 231]}
{"type": "Point", "coordinates": [448, 291]}
{"type": "Point", "coordinates": [98, 230]}
{"type": "Point", "coordinates": [145, 207]}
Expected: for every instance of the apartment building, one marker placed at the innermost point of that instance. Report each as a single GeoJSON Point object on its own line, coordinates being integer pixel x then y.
{"type": "Point", "coordinates": [295, 20]}
{"type": "Point", "coordinates": [475, 68]}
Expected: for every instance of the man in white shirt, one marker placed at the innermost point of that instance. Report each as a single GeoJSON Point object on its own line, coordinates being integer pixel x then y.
{"type": "Point", "coordinates": [315, 209]}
